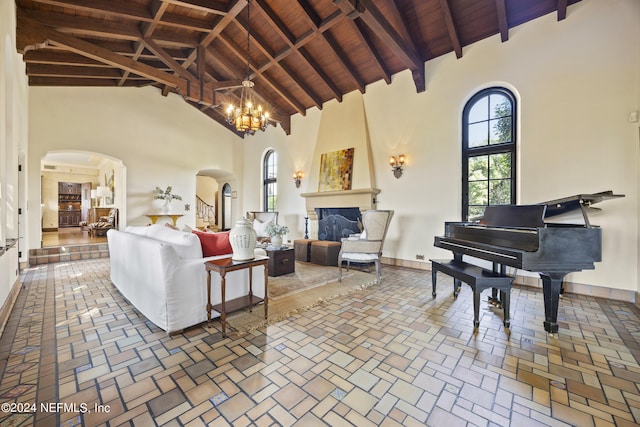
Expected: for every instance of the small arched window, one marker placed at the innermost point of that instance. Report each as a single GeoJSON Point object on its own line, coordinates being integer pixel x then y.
{"type": "Point", "coordinates": [488, 151]}
{"type": "Point", "coordinates": [270, 187]}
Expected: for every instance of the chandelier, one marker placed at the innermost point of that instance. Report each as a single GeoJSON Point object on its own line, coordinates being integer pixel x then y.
{"type": "Point", "coordinates": [248, 116]}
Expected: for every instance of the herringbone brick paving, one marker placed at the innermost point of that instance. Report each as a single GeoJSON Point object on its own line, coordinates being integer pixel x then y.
{"type": "Point", "coordinates": [75, 352]}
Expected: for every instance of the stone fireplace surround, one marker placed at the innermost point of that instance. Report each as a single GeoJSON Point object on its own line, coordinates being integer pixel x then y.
{"type": "Point", "coordinates": [364, 199]}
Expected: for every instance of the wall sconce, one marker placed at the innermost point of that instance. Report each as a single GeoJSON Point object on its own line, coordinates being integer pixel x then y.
{"type": "Point", "coordinates": [396, 165]}
{"type": "Point", "coordinates": [297, 178]}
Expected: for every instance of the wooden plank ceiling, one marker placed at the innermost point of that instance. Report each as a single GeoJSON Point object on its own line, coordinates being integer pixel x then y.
{"type": "Point", "coordinates": [303, 52]}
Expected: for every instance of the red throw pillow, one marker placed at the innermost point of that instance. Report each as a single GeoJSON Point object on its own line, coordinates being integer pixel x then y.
{"type": "Point", "coordinates": [214, 243]}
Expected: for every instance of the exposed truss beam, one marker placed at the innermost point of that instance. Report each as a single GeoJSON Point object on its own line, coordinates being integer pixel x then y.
{"type": "Point", "coordinates": [451, 28]}
{"type": "Point", "coordinates": [503, 25]}
{"type": "Point", "coordinates": [375, 20]}
{"type": "Point", "coordinates": [562, 9]}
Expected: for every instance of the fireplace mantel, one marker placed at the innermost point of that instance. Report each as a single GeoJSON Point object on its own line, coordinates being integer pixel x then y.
{"type": "Point", "coordinates": [364, 199]}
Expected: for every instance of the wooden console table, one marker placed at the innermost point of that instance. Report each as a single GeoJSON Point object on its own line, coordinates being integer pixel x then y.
{"type": "Point", "coordinates": [222, 267]}
{"type": "Point", "coordinates": [155, 217]}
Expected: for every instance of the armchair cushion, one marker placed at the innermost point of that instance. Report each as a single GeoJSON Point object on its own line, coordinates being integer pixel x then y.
{"type": "Point", "coordinates": [261, 227]}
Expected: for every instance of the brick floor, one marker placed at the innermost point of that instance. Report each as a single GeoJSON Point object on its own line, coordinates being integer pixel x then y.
{"type": "Point", "coordinates": [75, 352]}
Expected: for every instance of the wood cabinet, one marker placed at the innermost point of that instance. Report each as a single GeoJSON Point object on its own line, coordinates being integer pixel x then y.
{"type": "Point", "coordinates": [70, 204]}
{"type": "Point", "coordinates": [69, 188]}
{"type": "Point", "coordinates": [69, 218]}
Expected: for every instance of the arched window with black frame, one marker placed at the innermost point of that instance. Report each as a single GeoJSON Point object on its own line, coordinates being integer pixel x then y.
{"type": "Point", "coordinates": [488, 151]}
{"type": "Point", "coordinates": [270, 187]}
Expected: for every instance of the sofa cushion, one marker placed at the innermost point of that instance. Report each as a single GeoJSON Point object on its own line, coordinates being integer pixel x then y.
{"type": "Point", "coordinates": [139, 230]}
{"type": "Point", "coordinates": [186, 244]}
{"type": "Point", "coordinates": [214, 244]}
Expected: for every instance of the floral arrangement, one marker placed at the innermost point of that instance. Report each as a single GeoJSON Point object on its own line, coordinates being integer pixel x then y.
{"type": "Point", "coordinates": [276, 230]}
{"type": "Point", "coordinates": [165, 195]}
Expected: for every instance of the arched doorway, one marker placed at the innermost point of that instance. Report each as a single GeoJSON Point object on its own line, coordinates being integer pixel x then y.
{"type": "Point", "coordinates": [226, 206]}
{"type": "Point", "coordinates": [91, 172]}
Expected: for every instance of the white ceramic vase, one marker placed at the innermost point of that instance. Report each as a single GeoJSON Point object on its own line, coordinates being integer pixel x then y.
{"type": "Point", "coordinates": [166, 208]}
{"type": "Point", "coordinates": [276, 240]}
{"type": "Point", "coordinates": [243, 240]}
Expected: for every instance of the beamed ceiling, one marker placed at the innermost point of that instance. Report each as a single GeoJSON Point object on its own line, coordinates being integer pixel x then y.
{"type": "Point", "coordinates": [303, 52]}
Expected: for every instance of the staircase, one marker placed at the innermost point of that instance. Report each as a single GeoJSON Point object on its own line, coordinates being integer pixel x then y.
{"type": "Point", "coordinates": [206, 212]}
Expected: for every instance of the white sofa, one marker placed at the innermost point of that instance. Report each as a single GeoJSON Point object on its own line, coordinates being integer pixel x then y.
{"type": "Point", "coordinates": [161, 272]}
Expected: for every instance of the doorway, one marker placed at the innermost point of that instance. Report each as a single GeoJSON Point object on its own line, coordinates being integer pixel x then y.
{"type": "Point", "coordinates": [226, 206]}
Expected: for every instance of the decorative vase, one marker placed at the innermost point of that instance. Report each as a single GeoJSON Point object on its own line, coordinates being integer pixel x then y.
{"type": "Point", "coordinates": [276, 240]}
{"type": "Point", "coordinates": [166, 208]}
{"type": "Point", "coordinates": [243, 240]}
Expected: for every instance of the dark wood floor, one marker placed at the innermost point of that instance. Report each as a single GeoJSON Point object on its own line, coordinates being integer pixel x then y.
{"type": "Point", "coordinates": [69, 236]}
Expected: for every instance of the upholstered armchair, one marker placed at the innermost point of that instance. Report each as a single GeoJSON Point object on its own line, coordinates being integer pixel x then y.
{"type": "Point", "coordinates": [104, 224]}
{"type": "Point", "coordinates": [366, 247]}
{"type": "Point", "coordinates": [260, 221]}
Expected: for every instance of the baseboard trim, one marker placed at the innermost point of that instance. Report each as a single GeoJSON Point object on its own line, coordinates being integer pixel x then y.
{"type": "Point", "coordinates": [7, 307]}
{"type": "Point", "coordinates": [569, 287]}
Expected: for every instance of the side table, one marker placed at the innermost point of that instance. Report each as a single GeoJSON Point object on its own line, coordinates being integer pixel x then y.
{"type": "Point", "coordinates": [156, 217]}
{"type": "Point", "coordinates": [222, 267]}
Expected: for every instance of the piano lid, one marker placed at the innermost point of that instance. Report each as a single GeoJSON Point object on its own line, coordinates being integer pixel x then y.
{"type": "Point", "coordinates": [534, 215]}
{"type": "Point", "coordinates": [579, 201]}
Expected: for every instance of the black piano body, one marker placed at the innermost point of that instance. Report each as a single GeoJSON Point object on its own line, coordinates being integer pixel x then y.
{"type": "Point", "coordinates": [518, 236]}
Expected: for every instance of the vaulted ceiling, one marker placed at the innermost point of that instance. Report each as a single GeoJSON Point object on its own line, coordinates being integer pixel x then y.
{"type": "Point", "coordinates": [303, 52]}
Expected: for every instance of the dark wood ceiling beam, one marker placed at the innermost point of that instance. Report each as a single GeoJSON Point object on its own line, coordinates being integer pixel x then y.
{"type": "Point", "coordinates": [343, 59]}
{"type": "Point", "coordinates": [375, 20]}
{"type": "Point", "coordinates": [503, 25]}
{"type": "Point", "coordinates": [85, 26]}
{"type": "Point", "coordinates": [279, 27]}
{"type": "Point", "coordinates": [46, 70]}
{"type": "Point", "coordinates": [209, 6]}
{"type": "Point", "coordinates": [158, 9]}
{"type": "Point", "coordinates": [168, 60]}
{"type": "Point", "coordinates": [562, 9]}
{"type": "Point", "coordinates": [386, 75]}
{"type": "Point", "coordinates": [403, 28]}
{"type": "Point", "coordinates": [324, 76]}
{"type": "Point", "coordinates": [227, 19]}
{"type": "Point", "coordinates": [92, 51]}
{"type": "Point", "coordinates": [74, 82]}
{"type": "Point", "coordinates": [451, 28]}
{"type": "Point", "coordinates": [186, 22]}
{"type": "Point", "coordinates": [122, 9]}
{"type": "Point", "coordinates": [318, 27]}
{"type": "Point", "coordinates": [49, 56]}
{"type": "Point", "coordinates": [279, 89]}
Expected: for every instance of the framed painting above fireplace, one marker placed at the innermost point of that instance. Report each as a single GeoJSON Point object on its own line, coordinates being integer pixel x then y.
{"type": "Point", "coordinates": [336, 170]}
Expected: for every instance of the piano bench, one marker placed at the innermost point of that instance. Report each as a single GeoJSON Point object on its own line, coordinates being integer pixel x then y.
{"type": "Point", "coordinates": [478, 279]}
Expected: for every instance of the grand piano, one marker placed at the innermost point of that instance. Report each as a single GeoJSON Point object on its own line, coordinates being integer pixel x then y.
{"type": "Point", "coordinates": [521, 236]}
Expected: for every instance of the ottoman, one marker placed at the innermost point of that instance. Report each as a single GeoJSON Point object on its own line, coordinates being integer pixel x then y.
{"type": "Point", "coordinates": [325, 252]}
{"type": "Point", "coordinates": [303, 249]}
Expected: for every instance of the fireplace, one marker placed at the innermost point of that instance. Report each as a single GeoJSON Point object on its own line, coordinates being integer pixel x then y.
{"type": "Point", "coordinates": [336, 223]}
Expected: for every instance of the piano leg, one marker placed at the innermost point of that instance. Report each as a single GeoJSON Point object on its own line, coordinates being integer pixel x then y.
{"type": "Point", "coordinates": [551, 286]}
{"type": "Point", "coordinates": [496, 298]}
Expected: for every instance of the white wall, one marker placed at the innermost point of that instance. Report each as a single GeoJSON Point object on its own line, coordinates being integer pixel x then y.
{"type": "Point", "coordinates": [576, 82]}
{"type": "Point", "coordinates": [13, 148]}
{"type": "Point", "coordinates": [161, 141]}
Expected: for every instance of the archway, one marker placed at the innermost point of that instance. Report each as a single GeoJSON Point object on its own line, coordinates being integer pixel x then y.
{"type": "Point", "coordinates": [88, 172]}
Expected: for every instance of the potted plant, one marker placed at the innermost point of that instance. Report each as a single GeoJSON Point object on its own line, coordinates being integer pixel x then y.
{"type": "Point", "coordinates": [276, 231]}
{"type": "Point", "coordinates": [167, 196]}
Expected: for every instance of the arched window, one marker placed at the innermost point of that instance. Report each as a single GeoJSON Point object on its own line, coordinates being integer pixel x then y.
{"type": "Point", "coordinates": [270, 187]}
{"type": "Point", "coordinates": [488, 151]}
